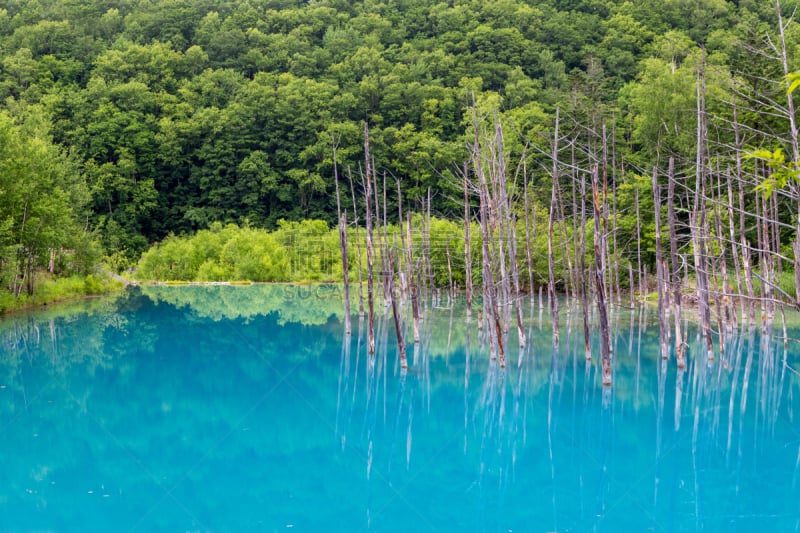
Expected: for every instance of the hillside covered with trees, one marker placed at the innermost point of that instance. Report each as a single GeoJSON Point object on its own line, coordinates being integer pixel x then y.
{"type": "Point", "coordinates": [124, 122]}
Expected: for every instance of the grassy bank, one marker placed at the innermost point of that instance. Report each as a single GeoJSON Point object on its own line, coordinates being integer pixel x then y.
{"type": "Point", "coordinates": [51, 290]}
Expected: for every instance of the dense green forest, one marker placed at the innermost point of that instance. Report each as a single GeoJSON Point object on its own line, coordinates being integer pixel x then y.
{"type": "Point", "coordinates": [124, 122]}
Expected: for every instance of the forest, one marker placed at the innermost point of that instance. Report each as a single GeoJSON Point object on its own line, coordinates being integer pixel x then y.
{"type": "Point", "coordinates": [126, 123]}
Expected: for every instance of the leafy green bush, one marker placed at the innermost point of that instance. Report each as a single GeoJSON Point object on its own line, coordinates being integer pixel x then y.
{"type": "Point", "coordinates": [255, 255]}
{"type": "Point", "coordinates": [217, 254]}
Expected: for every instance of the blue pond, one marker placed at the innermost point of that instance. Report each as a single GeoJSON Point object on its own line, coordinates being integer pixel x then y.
{"type": "Point", "coordinates": [244, 409]}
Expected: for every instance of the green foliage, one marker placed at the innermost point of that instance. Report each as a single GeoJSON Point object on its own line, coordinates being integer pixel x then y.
{"type": "Point", "coordinates": [52, 289]}
{"type": "Point", "coordinates": [42, 198]}
{"type": "Point", "coordinates": [177, 115]}
{"type": "Point", "coordinates": [782, 173]}
{"type": "Point", "coordinates": [220, 253]}
{"type": "Point", "coordinates": [182, 114]}
{"type": "Point", "coordinates": [794, 82]}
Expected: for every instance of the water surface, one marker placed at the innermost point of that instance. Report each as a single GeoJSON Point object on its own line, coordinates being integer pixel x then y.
{"type": "Point", "coordinates": [246, 409]}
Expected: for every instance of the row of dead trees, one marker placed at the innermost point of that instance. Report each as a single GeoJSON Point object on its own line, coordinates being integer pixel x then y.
{"type": "Point", "coordinates": [704, 221]}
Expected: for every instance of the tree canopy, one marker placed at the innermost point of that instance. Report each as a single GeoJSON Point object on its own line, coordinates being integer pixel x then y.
{"type": "Point", "coordinates": [177, 114]}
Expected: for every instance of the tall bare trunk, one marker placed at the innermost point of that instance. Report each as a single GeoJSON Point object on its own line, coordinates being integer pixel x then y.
{"type": "Point", "coordinates": [660, 274]}
{"type": "Point", "coordinates": [600, 281]}
{"type": "Point", "coordinates": [737, 267]}
{"type": "Point", "coordinates": [370, 251]}
{"type": "Point", "coordinates": [487, 232]}
{"type": "Point", "coordinates": [512, 252]}
{"type": "Point", "coordinates": [358, 248]}
{"type": "Point", "coordinates": [675, 276]}
{"type": "Point", "coordinates": [551, 287]}
{"type": "Point", "coordinates": [614, 252]}
{"type": "Point", "coordinates": [415, 286]}
{"type": "Point", "coordinates": [528, 257]}
{"type": "Point", "coordinates": [449, 270]}
{"type": "Point", "coordinates": [343, 246]}
{"type": "Point", "coordinates": [699, 216]}
{"type": "Point", "coordinates": [587, 341]}
{"type": "Point", "coordinates": [795, 147]}
{"type": "Point", "coordinates": [639, 264]}
{"type": "Point", "coordinates": [403, 269]}
{"type": "Point", "coordinates": [401, 346]}
{"type": "Point", "coordinates": [467, 245]}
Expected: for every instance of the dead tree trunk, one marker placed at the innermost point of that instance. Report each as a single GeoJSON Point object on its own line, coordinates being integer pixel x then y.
{"type": "Point", "coordinates": [551, 287]}
{"type": "Point", "coordinates": [565, 249]}
{"type": "Point", "coordinates": [527, 229]}
{"type": "Point", "coordinates": [698, 221]}
{"type": "Point", "coordinates": [415, 289]}
{"type": "Point", "coordinates": [490, 292]}
{"type": "Point", "coordinates": [727, 296]}
{"type": "Point", "coordinates": [370, 252]}
{"type": "Point", "coordinates": [793, 133]}
{"type": "Point", "coordinates": [675, 276]}
{"type": "Point", "coordinates": [401, 346]}
{"type": "Point", "coordinates": [342, 245]}
{"type": "Point", "coordinates": [660, 274]}
{"type": "Point", "coordinates": [451, 290]}
{"type": "Point", "coordinates": [615, 252]}
{"type": "Point", "coordinates": [587, 341]}
{"type": "Point", "coordinates": [429, 261]}
{"type": "Point", "coordinates": [487, 233]}
{"type": "Point", "coordinates": [403, 269]}
{"type": "Point", "coordinates": [639, 264]}
{"type": "Point", "coordinates": [500, 202]}
{"type": "Point", "coordinates": [737, 267]}
{"type": "Point", "coordinates": [600, 282]}
{"type": "Point", "coordinates": [467, 245]}
{"type": "Point", "coordinates": [358, 248]}
{"type": "Point", "coordinates": [749, 315]}
{"type": "Point", "coordinates": [512, 252]}
{"type": "Point", "coordinates": [387, 272]}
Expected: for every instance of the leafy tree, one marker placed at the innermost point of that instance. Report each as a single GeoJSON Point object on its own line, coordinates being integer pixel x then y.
{"type": "Point", "coordinates": [42, 197]}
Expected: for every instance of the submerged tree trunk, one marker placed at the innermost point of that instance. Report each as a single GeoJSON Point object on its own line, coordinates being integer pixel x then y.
{"type": "Point", "coordinates": [358, 248]}
{"type": "Point", "coordinates": [587, 342]}
{"type": "Point", "coordinates": [675, 275]}
{"type": "Point", "coordinates": [343, 246]}
{"type": "Point", "coordinates": [415, 288]}
{"type": "Point", "coordinates": [467, 246]}
{"type": "Point", "coordinates": [401, 346]}
{"type": "Point", "coordinates": [402, 265]}
{"type": "Point", "coordinates": [551, 286]}
{"type": "Point", "coordinates": [487, 233]}
{"type": "Point", "coordinates": [660, 273]}
{"type": "Point", "coordinates": [370, 252]}
{"type": "Point", "coordinates": [793, 133]}
{"type": "Point", "coordinates": [345, 270]}
{"type": "Point", "coordinates": [639, 264]}
{"type": "Point", "coordinates": [698, 217]}
{"type": "Point", "coordinates": [600, 282]}
{"type": "Point", "coordinates": [512, 252]}
{"type": "Point", "coordinates": [528, 257]}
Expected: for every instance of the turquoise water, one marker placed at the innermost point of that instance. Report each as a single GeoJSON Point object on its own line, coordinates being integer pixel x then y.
{"type": "Point", "coordinates": [242, 409]}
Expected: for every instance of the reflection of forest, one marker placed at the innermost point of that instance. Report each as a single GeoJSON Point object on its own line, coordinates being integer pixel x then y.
{"type": "Point", "coordinates": [93, 334]}
{"type": "Point", "coordinates": [233, 379]}
{"type": "Point", "coordinates": [309, 305]}
{"type": "Point", "coordinates": [116, 396]}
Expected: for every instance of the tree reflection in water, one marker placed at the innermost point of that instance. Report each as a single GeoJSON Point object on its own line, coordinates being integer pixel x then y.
{"type": "Point", "coordinates": [195, 393]}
